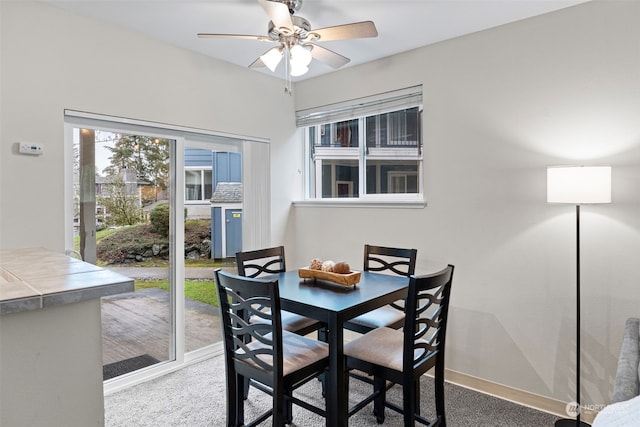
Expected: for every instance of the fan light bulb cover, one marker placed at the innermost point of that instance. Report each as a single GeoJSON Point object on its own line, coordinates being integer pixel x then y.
{"type": "Point", "coordinates": [579, 184]}
{"type": "Point", "coordinates": [272, 58]}
{"type": "Point", "coordinates": [298, 69]}
{"type": "Point", "coordinates": [300, 55]}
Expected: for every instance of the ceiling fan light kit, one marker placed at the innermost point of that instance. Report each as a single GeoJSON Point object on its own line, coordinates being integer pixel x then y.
{"type": "Point", "coordinates": [296, 39]}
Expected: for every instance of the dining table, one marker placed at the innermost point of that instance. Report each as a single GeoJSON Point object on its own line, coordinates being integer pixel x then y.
{"type": "Point", "coordinates": [334, 304]}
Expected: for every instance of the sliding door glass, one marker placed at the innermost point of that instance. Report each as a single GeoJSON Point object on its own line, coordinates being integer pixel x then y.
{"type": "Point", "coordinates": [213, 189]}
{"type": "Point", "coordinates": [122, 222]}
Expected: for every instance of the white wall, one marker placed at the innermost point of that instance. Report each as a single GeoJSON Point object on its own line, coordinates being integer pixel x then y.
{"type": "Point", "coordinates": [53, 60]}
{"type": "Point", "coordinates": [499, 107]}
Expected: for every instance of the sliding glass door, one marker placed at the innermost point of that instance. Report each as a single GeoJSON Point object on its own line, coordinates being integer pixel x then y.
{"type": "Point", "coordinates": [152, 204]}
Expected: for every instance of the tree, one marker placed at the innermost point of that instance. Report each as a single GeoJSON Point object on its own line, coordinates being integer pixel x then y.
{"type": "Point", "coordinates": [149, 157]}
{"type": "Point", "coordinates": [120, 203]}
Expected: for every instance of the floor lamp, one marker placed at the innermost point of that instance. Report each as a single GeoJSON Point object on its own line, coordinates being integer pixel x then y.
{"type": "Point", "coordinates": [578, 185]}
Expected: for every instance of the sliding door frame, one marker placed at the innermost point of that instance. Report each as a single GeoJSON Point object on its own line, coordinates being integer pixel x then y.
{"type": "Point", "coordinates": [256, 221]}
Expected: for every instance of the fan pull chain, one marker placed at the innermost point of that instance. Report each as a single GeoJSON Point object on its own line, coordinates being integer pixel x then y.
{"type": "Point", "coordinates": [287, 69]}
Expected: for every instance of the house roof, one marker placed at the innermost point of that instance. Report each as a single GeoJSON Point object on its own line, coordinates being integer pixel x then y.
{"type": "Point", "coordinates": [227, 192]}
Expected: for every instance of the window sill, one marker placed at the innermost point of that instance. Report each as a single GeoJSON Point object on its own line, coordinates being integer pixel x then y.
{"type": "Point", "coordinates": [360, 203]}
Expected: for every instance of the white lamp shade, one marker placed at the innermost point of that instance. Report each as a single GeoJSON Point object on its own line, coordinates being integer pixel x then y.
{"type": "Point", "coordinates": [301, 55]}
{"type": "Point", "coordinates": [298, 69]}
{"type": "Point", "coordinates": [579, 184]}
{"type": "Point", "coordinates": [272, 58]}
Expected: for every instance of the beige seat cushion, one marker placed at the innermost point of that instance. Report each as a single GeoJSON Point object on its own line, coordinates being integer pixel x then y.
{"type": "Point", "coordinates": [379, 318]}
{"type": "Point", "coordinates": [295, 322]}
{"type": "Point", "coordinates": [382, 346]}
{"type": "Point", "coordinates": [298, 351]}
{"type": "Point", "coordinates": [290, 321]}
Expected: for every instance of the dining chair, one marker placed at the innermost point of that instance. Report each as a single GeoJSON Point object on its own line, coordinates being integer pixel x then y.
{"type": "Point", "coordinates": [388, 260]}
{"type": "Point", "coordinates": [403, 356]}
{"type": "Point", "coordinates": [275, 361]}
{"type": "Point", "coordinates": [272, 261]}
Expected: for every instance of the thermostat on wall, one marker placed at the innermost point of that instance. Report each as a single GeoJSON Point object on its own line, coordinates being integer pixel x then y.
{"type": "Point", "coordinates": [27, 148]}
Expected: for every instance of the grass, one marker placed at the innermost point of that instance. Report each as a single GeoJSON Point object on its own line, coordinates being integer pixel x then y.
{"type": "Point", "coordinates": [199, 290]}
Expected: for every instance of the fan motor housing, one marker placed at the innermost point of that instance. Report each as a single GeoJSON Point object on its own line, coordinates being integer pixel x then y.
{"type": "Point", "coordinates": [300, 26]}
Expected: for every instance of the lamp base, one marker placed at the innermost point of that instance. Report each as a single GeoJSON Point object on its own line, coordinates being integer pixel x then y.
{"type": "Point", "coordinates": [566, 422]}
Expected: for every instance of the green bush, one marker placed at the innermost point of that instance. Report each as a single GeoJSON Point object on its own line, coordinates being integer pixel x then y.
{"type": "Point", "coordinates": [159, 218]}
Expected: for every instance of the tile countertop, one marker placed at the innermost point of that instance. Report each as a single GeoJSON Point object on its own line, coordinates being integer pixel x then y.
{"type": "Point", "coordinates": [36, 278]}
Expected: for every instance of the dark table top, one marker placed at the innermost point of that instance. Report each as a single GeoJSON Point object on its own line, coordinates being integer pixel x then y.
{"type": "Point", "coordinates": [317, 294]}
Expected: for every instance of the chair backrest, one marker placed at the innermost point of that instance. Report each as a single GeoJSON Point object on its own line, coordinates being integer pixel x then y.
{"type": "Point", "coordinates": [397, 260]}
{"type": "Point", "coordinates": [425, 327]}
{"type": "Point", "coordinates": [253, 349]}
{"type": "Point", "coordinates": [261, 261]}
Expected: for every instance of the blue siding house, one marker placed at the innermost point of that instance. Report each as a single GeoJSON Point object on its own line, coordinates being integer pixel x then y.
{"type": "Point", "coordinates": [213, 190]}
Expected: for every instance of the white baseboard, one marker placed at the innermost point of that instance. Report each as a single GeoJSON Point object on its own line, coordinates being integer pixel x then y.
{"type": "Point", "coordinates": [521, 397]}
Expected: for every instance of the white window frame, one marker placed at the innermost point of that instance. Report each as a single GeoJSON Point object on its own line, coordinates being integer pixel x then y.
{"type": "Point", "coordinates": [359, 109]}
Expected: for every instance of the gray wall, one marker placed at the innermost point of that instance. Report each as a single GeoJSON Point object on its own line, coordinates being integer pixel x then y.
{"type": "Point", "coordinates": [499, 107]}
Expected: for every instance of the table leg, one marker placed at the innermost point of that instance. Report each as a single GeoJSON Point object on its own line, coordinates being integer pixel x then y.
{"type": "Point", "coordinates": [337, 394]}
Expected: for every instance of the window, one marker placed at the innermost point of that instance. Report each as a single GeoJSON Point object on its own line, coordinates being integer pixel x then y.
{"type": "Point", "coordinates": [198, 184]}
{"type": "Point", "coordinates": [365, 150]}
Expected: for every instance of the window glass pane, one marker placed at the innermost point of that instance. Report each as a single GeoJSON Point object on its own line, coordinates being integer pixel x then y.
{"type": "Point", "coordinates": [403, 127]}
{"type": "Point", "coordinates": [392, 176]}
{"type": "Point", "coordinates": [325, 134]}
{"type": "Point", "coordinates": [208, 184]}
{"type": "Point", "coordinates": [371, 125]}
{"type": "Point", "coordinates": [347, 134]}
{"type": "Point", "coordinates": [193, 184]}
{"type": "Point", "coordinates": [340, 178]}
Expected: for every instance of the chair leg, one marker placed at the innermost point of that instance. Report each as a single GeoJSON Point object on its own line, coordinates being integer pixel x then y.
{"type": "Point", "coordinates": [416, 395]}
{"type": "Point", "coordinates": [409, 403]}
{"type": "Point", "coordinates": [380, 387]}
{"type": "Point", "coordinates": [245, 388]}
{"type": "Point", "coordinates": [288, 406]}
{"type": "Point", "coordinates": [235, 402]}
{"type": "Point", "coordinates": [280, 407]}
{"type": "Point", "coordinates": [439, 392]}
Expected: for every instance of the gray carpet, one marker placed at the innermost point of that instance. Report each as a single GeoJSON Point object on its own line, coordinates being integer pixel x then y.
{"type": "Point", "coordinates": [195, 397]}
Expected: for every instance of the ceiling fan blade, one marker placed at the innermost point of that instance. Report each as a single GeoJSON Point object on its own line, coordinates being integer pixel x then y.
{"type": "Point", "coordinates": [257, 63]}
{"type": "Point", "coordinates": [278, 13]}
{"type": "Point", "coordinates": [329, 57]}
{"type": "Point", "coordinates": [357, 30]}
{"type": "Point", "coordinates": [234, 36]}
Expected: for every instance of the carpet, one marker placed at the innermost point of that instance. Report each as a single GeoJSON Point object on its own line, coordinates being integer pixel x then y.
{"type": "Point", "coordinates": [195, 396]}
{"type": "Point", "coordinates": [122, 367]}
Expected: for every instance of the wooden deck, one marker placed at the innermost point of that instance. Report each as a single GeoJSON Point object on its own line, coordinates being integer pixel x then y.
{"type": "Point", "coordinates": [138, 323]}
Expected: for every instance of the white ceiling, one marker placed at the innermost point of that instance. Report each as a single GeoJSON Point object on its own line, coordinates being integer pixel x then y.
{"type": "Point", "coordinates": [402, 24]}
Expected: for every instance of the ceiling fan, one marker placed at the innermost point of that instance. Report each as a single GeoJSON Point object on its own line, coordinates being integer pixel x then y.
{"type": "Point", "coordinates": [296, 40]}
